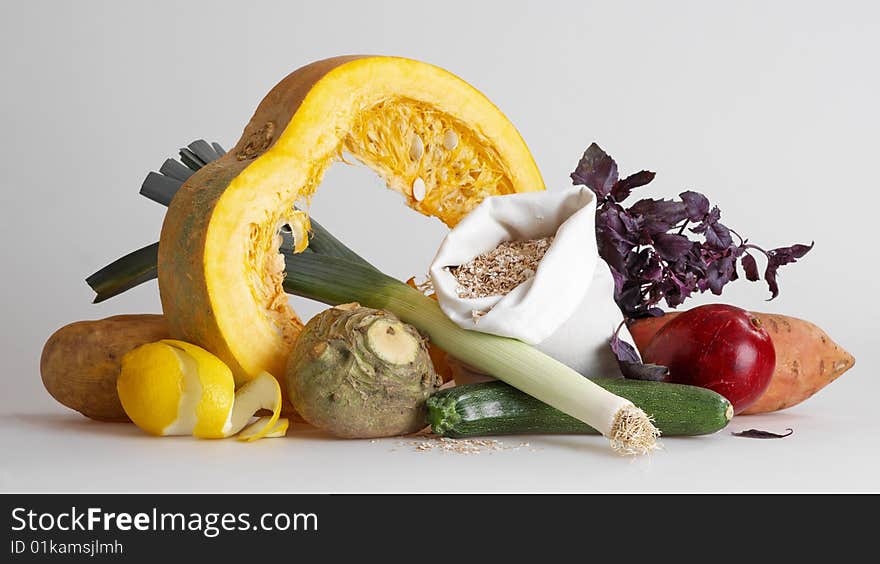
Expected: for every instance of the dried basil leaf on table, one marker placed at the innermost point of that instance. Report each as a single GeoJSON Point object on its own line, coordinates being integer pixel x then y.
{"type": "Point", "coordinates": [759, 434]}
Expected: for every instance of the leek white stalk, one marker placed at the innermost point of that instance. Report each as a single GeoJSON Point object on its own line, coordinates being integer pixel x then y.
{"type": "Point", "coordinates": [334, 280]}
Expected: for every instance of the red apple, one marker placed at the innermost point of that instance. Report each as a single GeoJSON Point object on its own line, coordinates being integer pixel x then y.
{"type": "Point", "coordinates": [719, 347]}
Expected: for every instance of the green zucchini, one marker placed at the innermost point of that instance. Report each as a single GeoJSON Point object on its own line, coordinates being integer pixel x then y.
{"type": "Point", "coordinates": [496, 408]}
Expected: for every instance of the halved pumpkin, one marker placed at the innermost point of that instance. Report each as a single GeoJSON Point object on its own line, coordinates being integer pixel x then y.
{"type": "Point", "coordinates": [428, 134]}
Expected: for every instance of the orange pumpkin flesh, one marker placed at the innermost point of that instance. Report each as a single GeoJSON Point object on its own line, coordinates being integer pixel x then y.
{"type": "Point", "coordinates": [219, 274]}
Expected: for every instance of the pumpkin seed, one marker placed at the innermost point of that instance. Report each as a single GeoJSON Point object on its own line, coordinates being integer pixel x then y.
{"type": "Point", "coordinates": [277, 264]}
{"type": "Point", "coordinates": [419, 189]}
{"type": "Point", "coordinates": [416, 148]}
{"type": "Point", "coordinates": [450, 140]}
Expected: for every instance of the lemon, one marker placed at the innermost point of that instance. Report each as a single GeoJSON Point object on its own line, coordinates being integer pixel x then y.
{"type": "Point", "coordinates": [215, 391]}
{"type": "Point", "coordinates": [150, 387]}
{"type": "Point", "coordinates": [176, 388]}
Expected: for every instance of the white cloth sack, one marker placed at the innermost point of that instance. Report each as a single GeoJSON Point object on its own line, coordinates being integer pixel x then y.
{"type": "Point", "coordinates": [567, 309]}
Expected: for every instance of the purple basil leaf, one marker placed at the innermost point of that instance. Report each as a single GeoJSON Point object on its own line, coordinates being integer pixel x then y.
{"type": "Point", "coordinates": [786, 255]}
{"type": "Point", "coordinates": [623, 350]}
{"type": "Point", "coordinates": [659, 215]}
{"type": "Point", "coordinates": [639, 261]}
{"type": "Point", "coordinates": [613, 255]}
{"type": "Point", "coordinates": [615, 235]}
{"type": "Point", "coordinates": [632, 224]}
{"type": "Point", "coordinates": [629, 298]}
{"type": "Point", "coordinates": [760, 434]}
{"type": "Point", "coordinates": [714, 215]}
{"type": "Point", "coordinates": [720, 273]}
{"type": "Point", "coordinates": [623, 188]}
{"type": "Point", "coordinates": [641, 371]}
{"type": "Point", "coordinates": [717, 235]}
{"type": "Point", "coordinates": [611, 218]}
{"type": "Point", "coordinates": [674, 291]}
{"type": "Point", "coordinates": [685, 287]}
{"type": "Point", "coordinates": [652, 270]}
{"type": "Point", "coordinates": [696, 204]}
{"type": "Point", "coordinates": [781, 257]}
{"type": "Point", "coordinates": [750, 266]}
{"type": "Point", "coordinates": [597, 171]}
{"type": "Point", "coordinates": [671, 246]}
{"type": "Point", "coordinates": [630, 363]}
{"type": "Point", "coordinates": [617, 277]}
{"type": "Point", "coordinates": [770, 277]}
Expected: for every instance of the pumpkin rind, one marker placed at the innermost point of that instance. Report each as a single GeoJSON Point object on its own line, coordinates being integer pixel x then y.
{"type": "Point", "coordinates": [217, 281]}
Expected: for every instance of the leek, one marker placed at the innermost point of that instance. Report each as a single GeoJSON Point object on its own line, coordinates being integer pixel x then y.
{"type": "Point", "coordinates": [333, 281]}
{"type": "Point", "coordinates": [331, 273]}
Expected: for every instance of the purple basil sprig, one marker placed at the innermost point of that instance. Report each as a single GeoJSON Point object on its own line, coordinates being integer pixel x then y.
{"type": "Point", "coordinates": [630, 363]}
{"type": "Point", "coordinates": [649, 247]}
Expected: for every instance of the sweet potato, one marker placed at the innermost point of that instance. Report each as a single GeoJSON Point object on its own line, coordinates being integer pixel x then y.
{"type": "Point", "coordinates": [807, 359]}
{"type": "Point", "coordinates": [81, 361]}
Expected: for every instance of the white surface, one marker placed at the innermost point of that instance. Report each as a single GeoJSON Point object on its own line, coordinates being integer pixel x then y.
{"type": "Point", "coordinates": [832, 449]}
{"type": "Point", "coordinates": [768, 108]}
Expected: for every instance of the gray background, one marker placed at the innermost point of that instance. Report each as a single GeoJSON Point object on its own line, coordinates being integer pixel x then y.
{"type": "Point", "coordinates": [770, 108]}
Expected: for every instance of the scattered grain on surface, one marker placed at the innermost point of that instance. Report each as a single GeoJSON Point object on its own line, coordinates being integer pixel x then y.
{"type": "Point", "coordinates": [430, 443]}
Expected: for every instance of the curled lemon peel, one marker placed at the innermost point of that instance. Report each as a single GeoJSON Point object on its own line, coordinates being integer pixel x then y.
{"type": "Point", "coordinates": [176, 388]}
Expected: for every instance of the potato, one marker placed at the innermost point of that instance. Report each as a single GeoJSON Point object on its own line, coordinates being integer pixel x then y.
{"type": "Point", "coordinates": [807, 359]}
{"type": "Point", "coordinates": [81, 361]}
